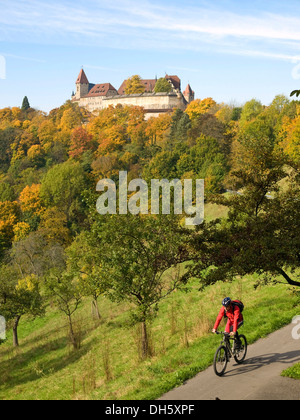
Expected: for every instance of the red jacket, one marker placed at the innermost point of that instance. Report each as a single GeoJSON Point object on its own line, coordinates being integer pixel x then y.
{"type": "Point", "coordinates": [234, 316]}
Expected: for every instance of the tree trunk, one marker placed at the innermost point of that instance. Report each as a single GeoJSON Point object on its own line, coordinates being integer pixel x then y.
{"type": "Point", "coordinates": [71, 332]}
{"type": "Point", "coordinates": [15, 331]}
{"type": "Point", "coordinates": [145, 341]}
{"type": "Point", "coordinates": [95, 310]}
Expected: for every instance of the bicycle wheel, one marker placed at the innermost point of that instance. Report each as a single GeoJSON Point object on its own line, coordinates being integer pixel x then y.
{"type": "Point", "coordinates": [241, 351]}
{"type": "Point", "coordinates": [220, 361]}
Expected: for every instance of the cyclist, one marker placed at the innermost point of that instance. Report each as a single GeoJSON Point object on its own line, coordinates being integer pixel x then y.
{"type": "Point", "coordinates": [234, 316]}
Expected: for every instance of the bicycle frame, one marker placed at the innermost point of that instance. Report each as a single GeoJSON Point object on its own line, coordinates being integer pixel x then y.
{"type": "Point", "coordinates": [226, 342]}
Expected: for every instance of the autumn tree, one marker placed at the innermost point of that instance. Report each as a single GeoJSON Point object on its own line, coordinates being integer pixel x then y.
{"type": "Point", "coordinates": [290, 137]}
{"type": "Point", "coordinates": [134, 85]}
{"type": "Point", "coordinates": [47, 133]}
{"type": "Point", "coordinates": [53, 226]}
{"type": "Point", "coordinates": [31, 206]}
{"type": "Point", "coordinates": [70, 119]}
{"type": "Point", "coordinates": [81, 141]}
{"type": "Point", "coordinates": [199, 107]}
{"type": "Point", "coordinates": [157, 129]}
{"type": "Point", "coordinates": [9, 217]}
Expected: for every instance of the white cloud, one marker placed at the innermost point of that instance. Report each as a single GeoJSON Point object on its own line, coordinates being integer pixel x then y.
{"type": "Point", "coordinates": [132, 24]}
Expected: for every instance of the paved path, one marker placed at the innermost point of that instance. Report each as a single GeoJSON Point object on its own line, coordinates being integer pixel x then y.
{"type": "Point", "coordinates": [258, 378]}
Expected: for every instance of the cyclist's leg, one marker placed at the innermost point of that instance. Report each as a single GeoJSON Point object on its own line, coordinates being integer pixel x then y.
{"type": "Point", "coordinates": [240, 324]}
{"type": "Point", "coordinates": [228, 327]}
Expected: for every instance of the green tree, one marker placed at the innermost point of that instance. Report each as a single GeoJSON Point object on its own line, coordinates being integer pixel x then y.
{"type": "Point", "coordinates": [19, 296]}
{"type": "Point", "coordinates": [261, 233]}
{"type": "Point", "coordinates": [62, 187]}
{"type": "Point", "coordinates": [251, 110]}
{"type": "Point", "coordinates": [257, 237]}
{"type": "Point", "coordinates": [143, 255]}
{"type": "Point", "coordinates": [25, 104]}
{"type": "Point", "coordinates": [162, 85]}
{"type": "Point", "coordinates": [180, 126]}
{"type": "Point", "coordinates": [163, 165]}
{"type": "Point", "coordinates": [86, 262]}
{"type": "Point", "coordinates": [204, 160]}
{"type": "Point", "coordinates": [63, 290]}
{"type": "Point", "coordinates": [257, 162]}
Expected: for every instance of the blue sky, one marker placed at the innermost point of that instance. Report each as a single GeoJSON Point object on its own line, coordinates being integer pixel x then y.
{"type": "Point", "coordinates": [229, 50]}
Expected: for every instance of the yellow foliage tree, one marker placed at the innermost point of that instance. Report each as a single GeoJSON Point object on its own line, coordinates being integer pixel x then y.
{"type": "Point", "coordinates": [54, 227]}
{"type": "Point", "coordinates": [134, 85]}
{"type": "Point", "coordinates": [157, 127]}
{"type": "Point", "coordinates": [290, 137]}
{"type": "Point", "coordinates": [27, 284]}
{"type": "Point", "coordinates": [30, 200]}
{"type": "Point", "coordinates": [199, 106]}
{"type": "Point", "coordinates": [21, 231]}
{"type": "Point", "coordinates": [9, 217]}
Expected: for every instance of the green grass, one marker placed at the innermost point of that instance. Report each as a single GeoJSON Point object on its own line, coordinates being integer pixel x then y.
{"type": "Point", "coordinates": [292, 372]}
{"type": "Point", "coordinates": [107, 366]}
{"type": "Point", "coordinates": [214, 211]}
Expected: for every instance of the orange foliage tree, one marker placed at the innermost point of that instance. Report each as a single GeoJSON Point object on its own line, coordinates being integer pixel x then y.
{"type": "Point", "coordinates": [157, 127]}
{"type": "Point", "coordinates": [81, 141]}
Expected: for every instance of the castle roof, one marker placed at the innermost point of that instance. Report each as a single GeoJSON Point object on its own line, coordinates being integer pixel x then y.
{"type": "Point", "coordinates": [101, 89]}
{"type": "Point", "coordinates": [148, 83]}
{"type": "Point", "coordinates": [188, 90]}
{"type": "Point", "coordinates": [82, 79]}
{"type": "Point", "coordinates": [175, 81]}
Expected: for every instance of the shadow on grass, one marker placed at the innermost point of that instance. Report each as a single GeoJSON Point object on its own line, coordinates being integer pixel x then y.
{"type": "Point", "coordinates": [40, 361]}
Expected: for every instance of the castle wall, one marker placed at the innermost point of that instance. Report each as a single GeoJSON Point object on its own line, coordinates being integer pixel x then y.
{"type": "Point", "coordinates": [155, 103]}
{"type": "Point", "coordinates": [92, 104]}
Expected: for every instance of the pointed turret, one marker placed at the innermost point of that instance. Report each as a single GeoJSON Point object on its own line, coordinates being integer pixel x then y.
{"type": "Point", "coordinates": [82, 85]}
{"type": "Point", "coordinates": [82, 79]}
{"type": "Point", "coordinates": [189, 94]}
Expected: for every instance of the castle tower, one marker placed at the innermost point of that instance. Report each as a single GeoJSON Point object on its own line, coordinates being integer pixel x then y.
{"type": "Point", "coordinates": [82, 85]}
{"type": "Point", "coordinates": [189, 94]}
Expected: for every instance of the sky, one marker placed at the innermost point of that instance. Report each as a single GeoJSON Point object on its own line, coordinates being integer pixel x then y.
{"type": "Point", "coordinates": [230, 50]}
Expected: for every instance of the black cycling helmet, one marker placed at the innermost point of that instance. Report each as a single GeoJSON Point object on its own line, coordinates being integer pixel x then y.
{"type": "Point", "coordinates": [226, 302]}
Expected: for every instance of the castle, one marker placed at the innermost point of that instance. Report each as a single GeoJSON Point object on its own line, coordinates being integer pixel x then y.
{"type": "Point", "coordinates": [99, 96]}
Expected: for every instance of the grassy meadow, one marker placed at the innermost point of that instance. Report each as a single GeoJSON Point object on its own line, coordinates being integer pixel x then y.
{"type": "Point", "coordinates": [108, 364]}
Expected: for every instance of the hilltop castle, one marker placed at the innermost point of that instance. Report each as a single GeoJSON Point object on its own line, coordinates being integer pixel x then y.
{"type": "Point", "coordinates": [99, 96]}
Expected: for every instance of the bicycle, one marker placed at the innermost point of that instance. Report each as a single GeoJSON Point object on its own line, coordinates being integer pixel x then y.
{"type": "Point", "coordinates": [225, 352]}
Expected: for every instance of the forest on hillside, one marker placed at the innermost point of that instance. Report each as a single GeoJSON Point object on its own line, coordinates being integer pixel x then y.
{"type": "Point", "coordinates": [55, 247]}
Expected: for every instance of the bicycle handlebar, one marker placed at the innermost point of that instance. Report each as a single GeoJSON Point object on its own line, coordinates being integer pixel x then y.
{"type": "Point", "coordinates": [223, 333]}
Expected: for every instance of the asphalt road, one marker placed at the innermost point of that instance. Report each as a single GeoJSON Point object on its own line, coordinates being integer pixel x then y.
{"type": "Point", "coordinates": [258, 378]}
